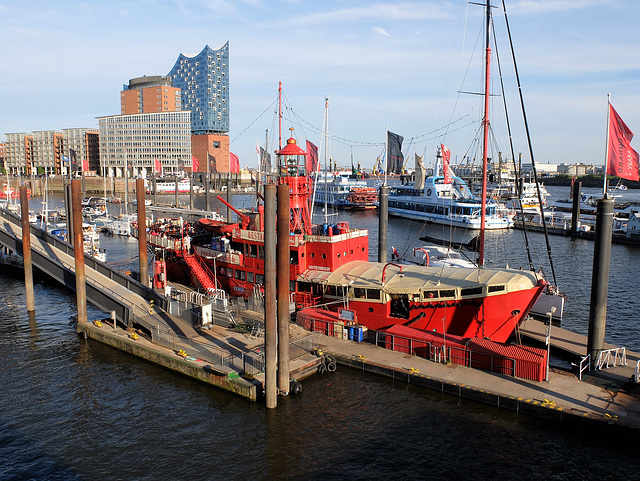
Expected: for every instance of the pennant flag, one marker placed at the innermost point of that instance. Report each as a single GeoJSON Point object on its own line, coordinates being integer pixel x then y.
{"type": "Point", "coordinates": [74, 161]}
{"type": "Point", "coordinates": [157, 166]}
{"type": "Point", "coordinates": [211, 163]}
{"type": "Point", "coordinates": [234, 163]}
{"type": "Point", "coordinates": [85, 165]}
{"type": "Point", "coordinates": [622, 160]}
{"type": "Point", "coordinates": [312, 157]}
{"type": "Point", "coordinates": [395, 159]}
{"type": "Point", "coordinates": [195, 164]}
{"type": "Point", "coordinates": [446, 170]}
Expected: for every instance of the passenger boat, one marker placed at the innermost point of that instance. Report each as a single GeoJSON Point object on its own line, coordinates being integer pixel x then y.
{"type": "Point", "coordinates": [169, 187]}
{"type": "Point", "coordinates": [446, 199]}
{"type": "Point", "coordinates": [329, 265]}
{"type": "Point", "coordinates": [338, 189]}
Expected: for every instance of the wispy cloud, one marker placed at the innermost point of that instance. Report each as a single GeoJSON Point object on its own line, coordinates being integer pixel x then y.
{"type": "Point", "coordinates": [381, 31]}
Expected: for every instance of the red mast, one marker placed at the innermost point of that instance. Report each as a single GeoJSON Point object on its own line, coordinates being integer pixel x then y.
{"type": "Point", "coordinates": [485, 144]}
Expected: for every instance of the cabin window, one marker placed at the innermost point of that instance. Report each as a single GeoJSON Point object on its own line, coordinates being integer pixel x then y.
{"type": "Point", "coordinates": [359, 293]}
{"type": "Point", "coordinates": [448, 293]}
{"type": "Point", "coordinates": [229, 272]}
{"type": "Point", "coordinates": [253, 250]}
{"type": "Point", "coordinates": [496, 288]}
{"type": "Point", "coordinates": [292, 286]}
{"type": "Point", "coordinates": [293, 258]}
{"type": "Point", "coordinates": [250, 277]}
{"type": "Point", "coordinates": [430, 295]}
{"type": "Point", "coordinates": [304, 287]}
{"type": "Point", "coordinates": [373, 294]}
{"type": "Point", "coordinates": [399, 306]}
{"type": "Point", "coordinates": [471, 291]}
{"type": "Point", "coordinates": [223, 271]}
{"type": "Point", "coordinates": [316, 289]}
{"type": "Point", "coordinates": [260, 252]}
{"type": "Point", "coordinates": [324, 256]}
{"type": "Point", "coordinates": [313, 254]}
{"type": "Point", "coordinates": [260, 279]}
{"type": "Point", "coordinates": [332, 291]}
{"type": "Point", "coordinates": [240, 275]}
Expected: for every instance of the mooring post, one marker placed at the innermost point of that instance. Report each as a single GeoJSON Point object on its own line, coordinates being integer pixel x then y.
{"type": "Point", "coordinates": [142, 232]}
{"type": "Point", "coordinates": [600, 277]}
{"type": "Point", "coordinates": [270, 320]}
{"type": "Point", "coordinates": [229, 199]}
{"type": "Point", "coordinates": [78, 250]}
{"type": "Point", "coordinates": [284, 319]}
{"type": "Point", "coordinates": [383, 222]}
{"type": "Point", "coordinates": [575, 212]}
{"type": "Point", "coordinates": [26, 249]}
{"type": "Point", "coordinates": [155, 190]}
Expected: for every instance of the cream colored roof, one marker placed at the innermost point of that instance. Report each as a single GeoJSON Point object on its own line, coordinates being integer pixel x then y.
{"type": "Point", "coordinates": [412, 278]}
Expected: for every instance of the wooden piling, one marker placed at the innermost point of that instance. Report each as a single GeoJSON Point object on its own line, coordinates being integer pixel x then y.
{"type": "Point", "coordinates": [78, 250]}
{"type": "Point", "coordinates": [26, 249]}
{"type": "Point", "coordinates": [142, 232]}
{"type": "Point", "coordinates": [283, 227]}
{"type": "Point", "coordinates": [270, 320]}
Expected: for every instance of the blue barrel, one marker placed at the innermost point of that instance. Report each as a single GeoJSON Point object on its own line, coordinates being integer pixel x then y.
{"type": "Point", "coordinates": [351, 333]}
{"type": "Point", "coordinates": [358, 334]}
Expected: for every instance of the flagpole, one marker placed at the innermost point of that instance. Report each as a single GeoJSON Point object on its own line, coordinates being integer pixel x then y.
{"type": "Point", "coordinates": [386, 156]}
{"type": "Point", "coordinates": [606, 153]}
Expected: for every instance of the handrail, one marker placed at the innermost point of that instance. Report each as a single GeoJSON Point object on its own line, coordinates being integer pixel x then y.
{"type": "Point", "coordinates": [583, 367]}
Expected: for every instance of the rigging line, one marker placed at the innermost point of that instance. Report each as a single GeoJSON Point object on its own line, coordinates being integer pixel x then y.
{"type": "Point", "coordinates": [533, 163]}
{"type": "Point", "coordinates": [513, 156]}
{"type": "Point", "coordinates": [254, 121]}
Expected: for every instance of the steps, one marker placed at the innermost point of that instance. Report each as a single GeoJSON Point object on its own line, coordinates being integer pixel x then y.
{"type": "Point", "coordinates": [202, 273]}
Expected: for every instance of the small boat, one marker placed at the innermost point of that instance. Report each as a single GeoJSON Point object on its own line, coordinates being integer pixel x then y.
{"type": "Point", "coordinates": [169, 187]}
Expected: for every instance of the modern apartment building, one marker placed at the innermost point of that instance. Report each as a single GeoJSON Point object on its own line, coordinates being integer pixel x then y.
{"type": "Point", "coordinates": [19, 153]}
{"type": "Point", "coordinates": [149, 94]}
{"type": "Point", "coordinates": [137, 140]}
{"type": "Point", "coordinates": [85, 144]}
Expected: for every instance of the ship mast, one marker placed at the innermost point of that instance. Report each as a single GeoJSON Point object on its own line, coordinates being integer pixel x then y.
{"type": "Point", "coordinates": [485, 141]}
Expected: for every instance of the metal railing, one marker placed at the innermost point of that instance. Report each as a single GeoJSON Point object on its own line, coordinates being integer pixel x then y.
{"type": "Point", "coordinates": [585, 365]}
{"type": "Point", "coordinates": [611, 358]}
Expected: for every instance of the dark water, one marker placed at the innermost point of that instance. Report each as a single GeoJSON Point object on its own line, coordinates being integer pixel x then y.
{"type": "Point", "coordinates": [72, 409]}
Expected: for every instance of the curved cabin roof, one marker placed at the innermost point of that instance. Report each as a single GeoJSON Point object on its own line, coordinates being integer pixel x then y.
{"type": "Point", "coordinates": [413, 279]}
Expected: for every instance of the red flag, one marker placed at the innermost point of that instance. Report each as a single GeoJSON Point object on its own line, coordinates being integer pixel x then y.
{"type": "Point", "coordinates": [446, 157]}
{"type": "Point", "coordinates": [312, 157]}
{"type": "Point", "coordinates": [622, 160]}
{"type": "Point", "coordinates": [158, 166]}
{"type": "Point", "coordinates": [234, 163]}
{"type": "Point", "coordinates": [195, 164]}
{"type": "Point", "coordinates": [85, 165]}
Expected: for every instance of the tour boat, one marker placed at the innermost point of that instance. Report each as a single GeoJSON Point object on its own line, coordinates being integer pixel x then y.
{"type": "Point", "coordinates": [169, 187]}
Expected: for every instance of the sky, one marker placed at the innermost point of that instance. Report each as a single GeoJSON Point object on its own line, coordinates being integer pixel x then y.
{"type": "Point", "coordinates": [414, 68]}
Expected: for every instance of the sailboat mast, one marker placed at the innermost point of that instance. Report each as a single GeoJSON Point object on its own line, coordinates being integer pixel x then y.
{"type": "Point", "coordinates": [485, 141]}
{"type": "Point", "coordinates": [326, 134]}
{"type": "Point", "coordinates": [279, 115]}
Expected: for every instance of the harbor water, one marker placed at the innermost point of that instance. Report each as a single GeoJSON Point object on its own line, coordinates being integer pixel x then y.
{"type": "Point", "coordinates": [72, 409]}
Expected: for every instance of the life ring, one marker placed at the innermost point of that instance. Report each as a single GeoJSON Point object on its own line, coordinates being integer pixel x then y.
{"type": "Point", "coordinates": [332, 366]}
{"type": "Point", "coordinates": [428, 192]}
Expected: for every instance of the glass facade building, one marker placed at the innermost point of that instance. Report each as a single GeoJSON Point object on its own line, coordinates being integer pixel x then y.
{"type": "Point", "coordinates": [204, 82]}
{"type": "Point", "coordinates": [138, 140]}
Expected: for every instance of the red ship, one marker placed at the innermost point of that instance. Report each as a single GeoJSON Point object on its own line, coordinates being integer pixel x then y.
{"type": "Point", "coordinates": [329, 265]}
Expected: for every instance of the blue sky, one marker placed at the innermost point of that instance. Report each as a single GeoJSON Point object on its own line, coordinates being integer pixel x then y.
{"type": "Point", "coordinates": [382, 63]}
